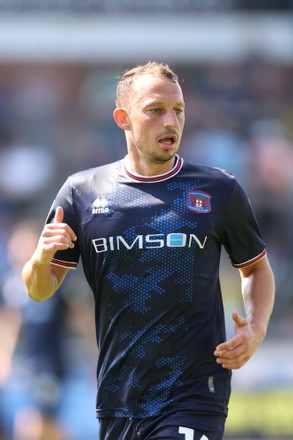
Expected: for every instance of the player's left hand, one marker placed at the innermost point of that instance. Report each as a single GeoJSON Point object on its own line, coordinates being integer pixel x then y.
{"type": "Point", "coordinates": [235, 352]}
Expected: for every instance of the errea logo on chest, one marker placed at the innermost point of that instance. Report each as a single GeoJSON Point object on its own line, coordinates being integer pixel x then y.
{"type": "Point", "coordinates": [100, 206]}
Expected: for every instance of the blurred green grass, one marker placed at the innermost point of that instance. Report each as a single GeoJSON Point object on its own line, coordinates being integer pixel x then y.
{"type": "Point", "coordinates": [263, 414]}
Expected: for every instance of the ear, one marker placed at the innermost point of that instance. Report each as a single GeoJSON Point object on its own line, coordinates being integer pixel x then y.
{"type": "Point", "coordinates": [121, 118]}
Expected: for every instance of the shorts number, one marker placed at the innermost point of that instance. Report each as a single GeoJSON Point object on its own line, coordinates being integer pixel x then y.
{"type": "Point", "coordinates": [189, 433]}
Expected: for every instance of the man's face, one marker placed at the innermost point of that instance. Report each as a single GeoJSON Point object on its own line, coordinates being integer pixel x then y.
{"type": "Point", "coordinates": [156, 117]}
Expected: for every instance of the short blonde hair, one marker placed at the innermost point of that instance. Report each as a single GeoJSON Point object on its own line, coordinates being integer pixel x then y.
{"type": "Point", "coordinates": [129, 76]}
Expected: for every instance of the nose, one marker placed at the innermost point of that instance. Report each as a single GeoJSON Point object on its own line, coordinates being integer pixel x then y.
{"type": "Point", "coordinates": [171, 118]}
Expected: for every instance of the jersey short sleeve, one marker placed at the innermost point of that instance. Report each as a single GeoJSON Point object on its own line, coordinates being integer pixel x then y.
{"type": "Point", "coordinates": [68, 258]}
{"type": "Point", "coordinates": [241, 236]}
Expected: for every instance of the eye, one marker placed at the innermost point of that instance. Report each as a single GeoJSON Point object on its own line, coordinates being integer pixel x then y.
{"type": "Point", "coordinates": [179, 111]}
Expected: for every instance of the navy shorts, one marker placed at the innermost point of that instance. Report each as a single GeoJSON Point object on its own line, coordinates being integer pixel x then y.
{"type": "Point", "coordinates": [175, 426]}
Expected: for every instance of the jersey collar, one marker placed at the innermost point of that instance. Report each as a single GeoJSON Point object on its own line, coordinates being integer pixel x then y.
{"type": "Point", "coordinates": [158, 178]}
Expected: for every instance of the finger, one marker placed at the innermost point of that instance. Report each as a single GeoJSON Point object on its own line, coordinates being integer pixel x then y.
{"type": "Point", "coordinates": [59, 228]}
{"type": "Point", "coordinates": [229, 356]}
{"type": "Point", "coordinates": [240, 321]}
{"type": "Point", "coordinates": [232, 364]}
{"type": "Point", "coordinates": [59, 215]}
{"type": "Point", "coordinates": [55, 230]}
{"type": "Point", "coordinates": [63, 240]}
{"type": "Point", "coordinates": [229, 351]}
{"type": "Point", "coordinates": [228, 346]}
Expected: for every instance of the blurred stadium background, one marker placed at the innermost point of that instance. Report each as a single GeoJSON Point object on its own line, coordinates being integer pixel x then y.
{"type": "Point", "coordinates": [59, 61]}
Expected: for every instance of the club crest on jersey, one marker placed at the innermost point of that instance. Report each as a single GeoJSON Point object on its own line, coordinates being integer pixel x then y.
{"type": "Point", "coordinates": [199, 202]}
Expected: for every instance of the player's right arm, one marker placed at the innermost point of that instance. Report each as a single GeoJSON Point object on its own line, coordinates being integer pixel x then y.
{"type": "Point", "coordinates": [40, 277]}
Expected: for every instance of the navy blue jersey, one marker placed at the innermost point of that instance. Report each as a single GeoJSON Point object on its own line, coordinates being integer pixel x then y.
{"type": "Point", "coordinates": [150, 248]}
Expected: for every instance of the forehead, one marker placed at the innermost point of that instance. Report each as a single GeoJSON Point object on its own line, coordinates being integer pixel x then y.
{"type": "Point", "coordinates": [149, 88]}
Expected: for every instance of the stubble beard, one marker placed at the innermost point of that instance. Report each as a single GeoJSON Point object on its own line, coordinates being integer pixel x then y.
{"type": "Point", "coordinates": [161, 158]}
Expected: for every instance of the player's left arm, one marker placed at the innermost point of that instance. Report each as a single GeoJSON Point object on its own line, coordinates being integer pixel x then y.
{"type": "Point", "coordinates": [258, 290]}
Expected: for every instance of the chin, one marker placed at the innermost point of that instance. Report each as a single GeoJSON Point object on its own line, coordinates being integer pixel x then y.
{"type": "Point", "coordinates": [164, 157]}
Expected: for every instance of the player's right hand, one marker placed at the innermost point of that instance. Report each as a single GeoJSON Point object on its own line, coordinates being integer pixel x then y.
{"type": "Point", "coordinates": [55, 236]}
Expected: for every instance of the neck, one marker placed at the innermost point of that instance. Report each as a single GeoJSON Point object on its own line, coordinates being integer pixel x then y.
{"type": "Point", "coordinates": [149, 169]}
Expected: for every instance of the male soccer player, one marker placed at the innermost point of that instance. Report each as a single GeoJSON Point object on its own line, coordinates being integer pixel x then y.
{"type": "Point", "coordinates": [149, 229]}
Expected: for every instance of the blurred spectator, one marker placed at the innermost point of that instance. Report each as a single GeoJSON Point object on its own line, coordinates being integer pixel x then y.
{"type": "Point", "coordinates": [271, 186]}
{"type": "Point", "coordinates": [25, 172]}
{"type": "Point", "coordinates": [34, 369]}
{"type": "Point", "coordinates": [219, 147]}
{"type": "Point", "coordinates": [9, 328]}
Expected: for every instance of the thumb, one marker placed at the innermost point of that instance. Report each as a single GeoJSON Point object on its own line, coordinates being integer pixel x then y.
{"type": "Point", "coordinates": [239, 320]}
{"type": "Point", "coordinates": [59, 214]}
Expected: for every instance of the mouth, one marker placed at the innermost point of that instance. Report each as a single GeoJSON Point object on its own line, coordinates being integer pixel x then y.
{"type": "Point", "coordinates": [168, 140]}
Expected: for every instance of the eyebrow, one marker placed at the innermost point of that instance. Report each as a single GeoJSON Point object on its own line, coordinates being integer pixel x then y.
{"type": "Point", "coordinates": [160, 103]}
